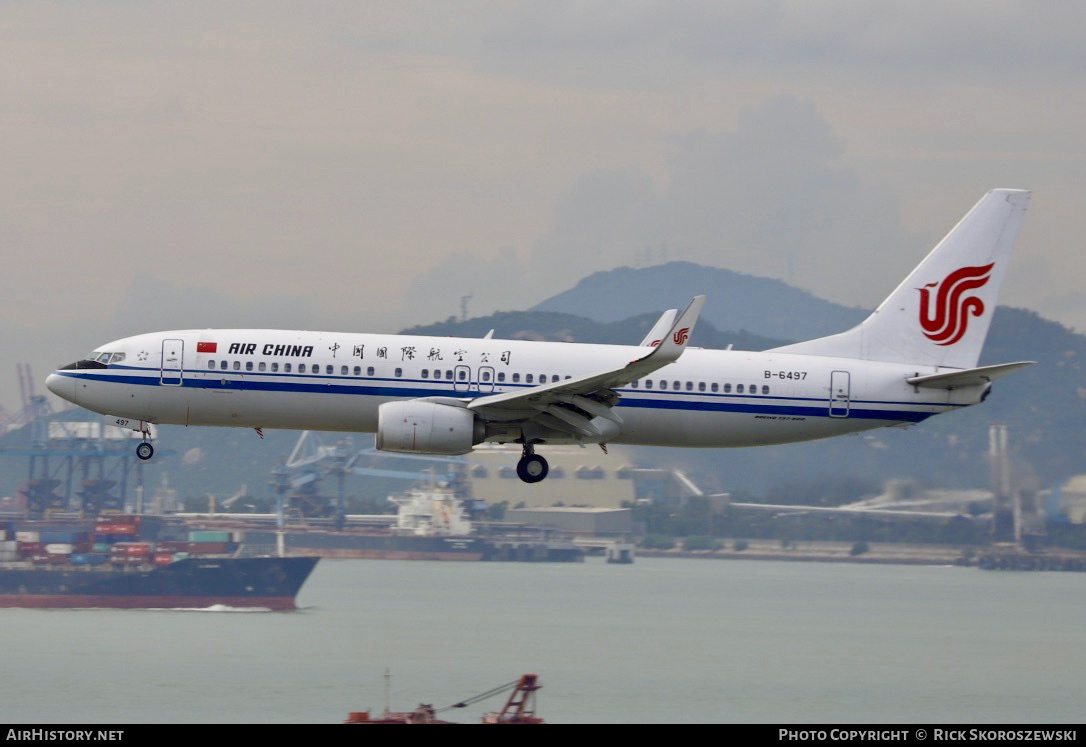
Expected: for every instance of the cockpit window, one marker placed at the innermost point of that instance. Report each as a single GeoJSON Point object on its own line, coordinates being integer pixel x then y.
{"type": "Point", "coordinates": [104, 358]}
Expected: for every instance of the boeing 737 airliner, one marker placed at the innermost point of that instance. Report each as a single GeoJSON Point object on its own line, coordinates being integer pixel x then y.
{"type": "Point", "coordinates": [914, 357]}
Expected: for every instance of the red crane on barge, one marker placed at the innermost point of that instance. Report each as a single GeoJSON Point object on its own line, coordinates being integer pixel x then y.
{"type": "Point", "coordinates": [519, 707]}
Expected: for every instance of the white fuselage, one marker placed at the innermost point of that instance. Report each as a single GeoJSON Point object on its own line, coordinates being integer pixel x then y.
{"type": "Point", "coordinates": [336, 382]}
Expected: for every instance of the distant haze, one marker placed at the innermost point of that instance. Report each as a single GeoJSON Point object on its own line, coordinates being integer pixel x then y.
{"type": "Point", "coordinates": [373, 166]}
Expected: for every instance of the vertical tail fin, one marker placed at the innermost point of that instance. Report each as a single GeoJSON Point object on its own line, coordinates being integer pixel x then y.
{"type": "Point", "coordinates": [939, 316]}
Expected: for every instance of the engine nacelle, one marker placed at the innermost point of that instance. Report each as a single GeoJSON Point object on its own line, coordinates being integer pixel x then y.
{"type": "Point", "coordinates": [423, 427]}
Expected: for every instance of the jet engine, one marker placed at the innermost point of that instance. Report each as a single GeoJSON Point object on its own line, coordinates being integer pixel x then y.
{"type": "Point", "coordinates": [425, 427]}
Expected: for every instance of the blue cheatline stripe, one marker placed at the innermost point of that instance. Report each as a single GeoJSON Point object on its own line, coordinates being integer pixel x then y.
{"type": "Point", "coordinates": [415, 388]}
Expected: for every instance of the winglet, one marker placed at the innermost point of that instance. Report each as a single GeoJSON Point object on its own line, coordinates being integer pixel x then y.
{"type": "Point", "coordinates": [674, 342]}
{"type": "Point", "coordinates": [656, 334]}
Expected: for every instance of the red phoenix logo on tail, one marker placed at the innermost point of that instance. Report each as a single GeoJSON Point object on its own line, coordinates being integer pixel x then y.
{"type": "Point", "coordinates": [680, 336]}
{"type": "Point", "coordinates": [946, 321]}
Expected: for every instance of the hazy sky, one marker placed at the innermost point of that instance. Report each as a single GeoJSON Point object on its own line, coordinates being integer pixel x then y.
{"type": "Point", "coordinates": [364, 165]}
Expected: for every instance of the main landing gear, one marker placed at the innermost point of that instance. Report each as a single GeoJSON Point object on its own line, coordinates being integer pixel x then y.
{"type": "Point", "coordinates": [532, 467]}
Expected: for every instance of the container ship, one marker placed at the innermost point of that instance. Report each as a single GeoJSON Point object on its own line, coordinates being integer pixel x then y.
{"type": "Point", "coordinates": [138, 562]}
{"type": "Point", "coordinates": [431, 523]}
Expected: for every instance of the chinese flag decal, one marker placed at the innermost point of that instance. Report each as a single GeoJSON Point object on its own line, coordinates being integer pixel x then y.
{"type": "Point", "coordinates": [207, 347]}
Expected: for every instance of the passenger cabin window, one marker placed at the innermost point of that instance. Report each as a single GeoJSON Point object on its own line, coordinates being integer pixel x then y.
{"type": "Point", "coordinates": [262, 366]}
{"type": "Point", "coordinates": [727, 388]}
{"type": "Point", "coordinates": [369, 371]}
{"type": "Point", "coordinates": [329, 369]}
{"type": "Point", "coordinates": [425, 373]}
{"type": "Point", "coordinates": [738, 388]}
{"type": "Point", "coordinates": [358, 370]}
{"type": "Point", "coordinates": [286, 367]}
{"type": "Point", "coordinates": [248, 365]}
{"type": "Point", "coordinates": [237, 365]}
{"type": "Point", "coordinates": [275, 366]}
{"type": "Point", "coordinates": [399, 372]}
{"type": "Point", "coordinates": [528, 379]}
{"type": "Point", "coordinates": [714, 387]}
{"type": "Point", "coordinates": [516, 377]}
{"type": "Point", "coordinates": [223, 365]}
{"type": "Point", "coordinates": [765, 388]}
{"type": "Point", "coordinates": [211, 365]}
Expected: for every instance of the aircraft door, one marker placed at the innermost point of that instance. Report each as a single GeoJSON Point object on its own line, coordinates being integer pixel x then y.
{"type": "Point", "coordinates": [839, 394]}
{"type": "Point", "coordinates": [462, 379]}
{"type": "Point", "coordinates": [486, 379]}
{"type": "Point", "coordinates": [173, 362]}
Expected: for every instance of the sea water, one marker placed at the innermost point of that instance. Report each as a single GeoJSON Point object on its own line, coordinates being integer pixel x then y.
{"type": "Point", "coordinates": [658, 641]}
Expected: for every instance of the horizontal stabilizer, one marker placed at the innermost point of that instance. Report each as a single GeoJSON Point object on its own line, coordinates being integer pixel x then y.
{"type": "Point", "coordinates": [967, 377]}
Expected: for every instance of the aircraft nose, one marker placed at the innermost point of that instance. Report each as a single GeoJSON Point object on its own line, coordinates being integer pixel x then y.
{"type": "Point", "coordinates": [62, 386]}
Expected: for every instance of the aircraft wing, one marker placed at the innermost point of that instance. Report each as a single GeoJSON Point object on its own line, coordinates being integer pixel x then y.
{"type": "Point", "coordinates": [571, 404]}
{"type": "Point", "coordinates": [967, 377]}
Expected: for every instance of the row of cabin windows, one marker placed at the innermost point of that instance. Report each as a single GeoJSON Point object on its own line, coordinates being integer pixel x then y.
{"type": "Point", "coordinates": [263, 366]}
{"type": "Point", "coordinates": [484, 376]}
{"type": "Point", "coordinates": [689, 386]}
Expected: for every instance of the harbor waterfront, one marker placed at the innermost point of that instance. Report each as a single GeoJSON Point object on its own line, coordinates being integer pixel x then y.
{"type": "Point", "coordinates": [673, 640]}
